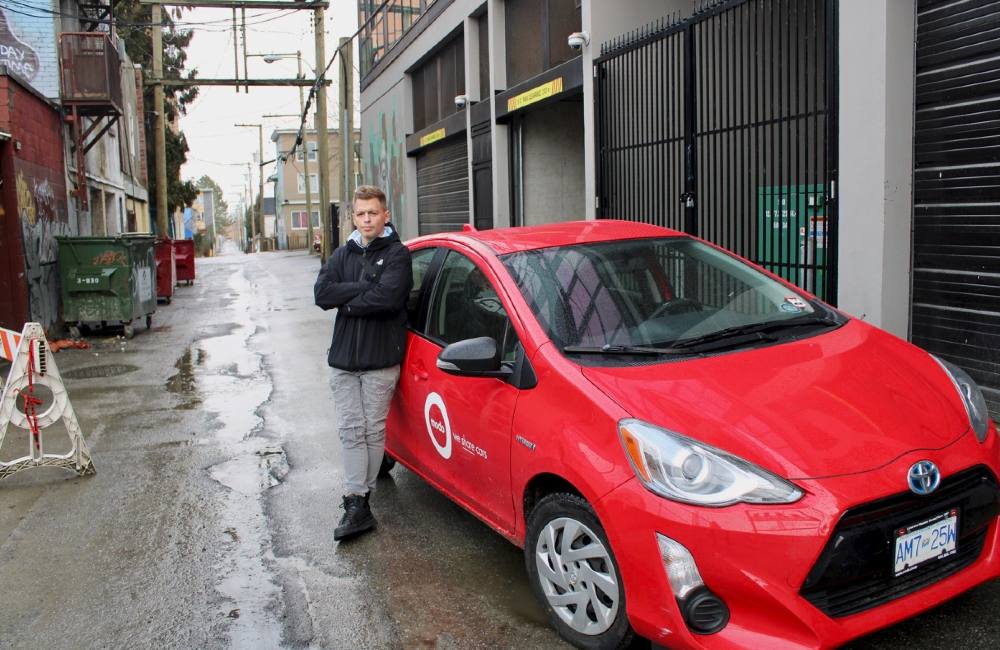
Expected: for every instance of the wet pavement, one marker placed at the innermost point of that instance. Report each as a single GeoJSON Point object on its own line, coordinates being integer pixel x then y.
{"type": "Point", "coordinates": [209, 521]}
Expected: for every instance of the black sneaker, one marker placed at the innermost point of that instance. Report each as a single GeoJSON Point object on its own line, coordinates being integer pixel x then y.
{"type": "Point", "coordinates": [357, 517]}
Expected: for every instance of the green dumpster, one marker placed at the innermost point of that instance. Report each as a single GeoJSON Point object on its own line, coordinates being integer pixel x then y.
{"type": "Point", "coordinates": [107, 280]}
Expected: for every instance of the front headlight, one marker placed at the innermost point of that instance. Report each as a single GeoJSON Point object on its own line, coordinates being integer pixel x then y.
{"type": "Point", "coordinates": [685, 470]}
{"type": "Point", "coordinates": [972, 397]}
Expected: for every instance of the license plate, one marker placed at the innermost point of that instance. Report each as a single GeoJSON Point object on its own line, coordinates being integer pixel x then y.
{"type": "Point", "coordinates": [928, 540]}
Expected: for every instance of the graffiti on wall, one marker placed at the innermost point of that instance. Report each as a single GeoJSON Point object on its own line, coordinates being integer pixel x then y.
{"type": "Point", "coordinates": [42, 220]}
{"type": "Point", "coordinates": [385, 162]}
{"type": "Point", "coordinates": [28, 48]}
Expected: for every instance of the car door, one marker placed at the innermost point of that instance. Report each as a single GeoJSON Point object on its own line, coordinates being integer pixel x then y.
{"type": "Point", "coordinates": [467, 420]}
{"type": "Point", "coordinates": [405, 438]}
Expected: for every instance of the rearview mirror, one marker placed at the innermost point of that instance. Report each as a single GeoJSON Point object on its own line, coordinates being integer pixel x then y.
{"type": "Point", "coordinates": [478, 357]}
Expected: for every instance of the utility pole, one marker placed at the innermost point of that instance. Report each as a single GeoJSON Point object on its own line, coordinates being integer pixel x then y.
{"type": "Point", "coordinates": [346, 135]}
{"type": "Point", "coordinates": [160, 137]}
{"type": "Point", "coordinates": [305, 162]}
{"type": "Point", "coordinates": [260, 165]}
{"type": "Point", "coordinates": [319, 24]}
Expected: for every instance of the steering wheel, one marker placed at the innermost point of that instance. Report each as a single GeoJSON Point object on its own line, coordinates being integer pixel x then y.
{"type": "Point", "coordinates": [676, 306]}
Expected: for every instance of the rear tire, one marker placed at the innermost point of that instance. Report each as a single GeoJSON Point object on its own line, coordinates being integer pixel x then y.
{"type": "Point", "coordinates": [388, 462]}
{"type": "Point", "coordinates": [574, 575]}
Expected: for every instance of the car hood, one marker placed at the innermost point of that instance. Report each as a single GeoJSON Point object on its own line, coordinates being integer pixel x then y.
{"type": "Point", "coordinates": [846, 401]}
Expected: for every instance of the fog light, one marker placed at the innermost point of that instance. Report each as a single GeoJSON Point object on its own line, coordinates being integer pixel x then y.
{"type": "Point", "coordinates": [704, 612]}
{"type": "Point", "coordinates": [682, 572]}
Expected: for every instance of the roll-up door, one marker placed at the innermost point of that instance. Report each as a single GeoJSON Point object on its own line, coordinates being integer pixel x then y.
{"type": "Point", "coordinates": [956, 224]}
{"type": "Point", "coordinates": [443, 187]}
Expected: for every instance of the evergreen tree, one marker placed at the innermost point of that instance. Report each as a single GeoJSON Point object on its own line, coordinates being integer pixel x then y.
{"type": "Point", "coordinates": [133, 20]}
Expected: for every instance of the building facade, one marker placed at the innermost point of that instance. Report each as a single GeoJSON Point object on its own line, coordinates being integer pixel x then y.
{"type": "Point", "coordinates": [841, 144]}
{"type": "Point", "coordinates": [73, 150]}
{"type": "Point", "coordinates": [290, 184]}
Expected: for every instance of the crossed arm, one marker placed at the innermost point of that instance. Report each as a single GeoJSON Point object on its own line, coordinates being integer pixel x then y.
{"type": "Point", "coordinates": [364, 298]}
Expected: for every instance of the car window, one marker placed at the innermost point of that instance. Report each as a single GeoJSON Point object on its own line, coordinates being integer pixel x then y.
{"type": "Point", "coordinates": [650, 292]}
{"type": "Point", "coordinates": [421, 261]}
{"type": "Point", "coordinates": [466, 305]}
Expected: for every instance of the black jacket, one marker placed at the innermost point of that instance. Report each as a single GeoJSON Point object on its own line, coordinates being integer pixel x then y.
{"type": "Point", "coordinates": [368, 287]}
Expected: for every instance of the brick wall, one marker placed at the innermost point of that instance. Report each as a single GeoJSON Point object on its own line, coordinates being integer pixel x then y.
{"type": "Point", "coordinates": [34, 203]}
{"type": "Point", "coordinates": [31, 48]}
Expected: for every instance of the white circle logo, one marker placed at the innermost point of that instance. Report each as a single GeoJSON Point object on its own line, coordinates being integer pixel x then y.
{"type": "Point", "coordinates": [436, 419]}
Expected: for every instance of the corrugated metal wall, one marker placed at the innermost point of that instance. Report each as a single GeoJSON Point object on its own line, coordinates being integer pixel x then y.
{"type": "Point", "coordinates": [956, 234]}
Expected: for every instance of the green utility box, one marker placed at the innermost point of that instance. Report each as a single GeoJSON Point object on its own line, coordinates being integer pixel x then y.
{"type": "Point", "coordinates": [107, 280]}
{"type": "Point", "coordinates": [792, 234]}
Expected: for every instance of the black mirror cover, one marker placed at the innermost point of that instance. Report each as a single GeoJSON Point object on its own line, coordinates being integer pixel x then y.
{"type": "Point", "coordinates": [471, 355]}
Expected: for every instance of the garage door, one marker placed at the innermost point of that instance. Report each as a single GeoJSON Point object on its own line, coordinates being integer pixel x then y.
{"type": "Point", "coordinates": [443, 187]}
{"type": "Point", "coordinates": [956, 237]}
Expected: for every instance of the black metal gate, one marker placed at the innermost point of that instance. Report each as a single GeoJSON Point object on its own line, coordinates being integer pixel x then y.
{"type": "Point", "coordinates": [723, 125]}
{"type": "Point", "coordinates": [956, 213]}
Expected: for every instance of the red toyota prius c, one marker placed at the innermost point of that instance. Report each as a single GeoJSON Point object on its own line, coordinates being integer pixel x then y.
{"type": "Point", "coordinates": [687, 447]}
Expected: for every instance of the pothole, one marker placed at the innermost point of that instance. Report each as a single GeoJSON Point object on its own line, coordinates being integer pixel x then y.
{"type": "Point", "coordinates": [100, 372]}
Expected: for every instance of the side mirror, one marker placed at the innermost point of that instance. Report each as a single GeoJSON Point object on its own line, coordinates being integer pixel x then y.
{"type": "Point", "coordinates": [478, 357]}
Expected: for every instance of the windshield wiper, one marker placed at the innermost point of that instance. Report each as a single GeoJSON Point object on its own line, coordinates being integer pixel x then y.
{"type": "Point", "coordinates": [617, 349]}
{"type": "Point", "coordinates": [743, 334]}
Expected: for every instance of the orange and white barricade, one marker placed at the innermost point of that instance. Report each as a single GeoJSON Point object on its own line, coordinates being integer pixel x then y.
{"type": "Point", "coordinates": [33, 367]}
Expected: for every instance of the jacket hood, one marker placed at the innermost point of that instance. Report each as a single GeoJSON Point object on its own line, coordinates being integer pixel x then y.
{"type": "Point", "coordinates": [843, 402]}
{"type": "Point", "coordinates": [388, 235]}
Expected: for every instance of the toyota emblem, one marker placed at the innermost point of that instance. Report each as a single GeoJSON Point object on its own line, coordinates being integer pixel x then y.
{"type": "Point", "coordinates": [923, 477]}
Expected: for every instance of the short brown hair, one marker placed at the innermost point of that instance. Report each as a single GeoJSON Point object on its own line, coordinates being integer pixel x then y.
{"type": "Point", "coordinates": [365, 192]}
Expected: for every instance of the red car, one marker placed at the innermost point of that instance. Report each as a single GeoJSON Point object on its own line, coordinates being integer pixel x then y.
{"type": "Point", "coordinates": [687, 447]}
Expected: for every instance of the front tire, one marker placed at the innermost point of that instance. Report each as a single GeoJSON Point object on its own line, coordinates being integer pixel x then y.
{"type": "Point", "coordinates": [574, 574]}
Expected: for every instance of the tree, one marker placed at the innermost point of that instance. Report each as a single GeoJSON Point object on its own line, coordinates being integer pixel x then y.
{"type": "Point", "coordinates": [133, 19]}
{"type": "Point", "coordinates": [221, 212]}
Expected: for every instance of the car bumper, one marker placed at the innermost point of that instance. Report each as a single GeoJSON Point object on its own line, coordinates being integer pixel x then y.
{"type": "Point", "coordinates": [757, 558]}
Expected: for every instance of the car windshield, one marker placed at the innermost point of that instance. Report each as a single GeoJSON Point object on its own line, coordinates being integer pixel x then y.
{"type": "Point", "coordinates": [671, 295]}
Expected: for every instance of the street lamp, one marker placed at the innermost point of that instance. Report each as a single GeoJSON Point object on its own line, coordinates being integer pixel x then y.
{"type": "Point", "coordinates": [271, 57]}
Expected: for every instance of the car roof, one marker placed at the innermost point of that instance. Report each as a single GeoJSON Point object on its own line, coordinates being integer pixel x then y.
{"type": "Point", "coordinates": [526, 238]}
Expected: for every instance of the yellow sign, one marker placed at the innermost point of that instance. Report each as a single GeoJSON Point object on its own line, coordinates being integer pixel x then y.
{"type": "Point", "coordinates": [536, 94]}
{"type": "Point", "coordinates": [433, 136]}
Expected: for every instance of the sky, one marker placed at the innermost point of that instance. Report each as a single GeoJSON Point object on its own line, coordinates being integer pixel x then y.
{"type": "Point", "coordinates": [217, 147]}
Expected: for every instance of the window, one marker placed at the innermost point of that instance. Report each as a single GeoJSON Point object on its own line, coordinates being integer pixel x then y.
{"type": "Point", "coordinates": [313, 183]}
{"type": "Point", "coordinates": [465, 305]}
{"type": "Point", "coordinates": [421, 261]}
{"type": "Point", "coordinates": [312, 147]}
{"type": "Point", "coordinates": [546, 23]}
{"type": "Point", "coordinates": [299, 219]}
{"type": "Point", "coordinates": [436, 83]}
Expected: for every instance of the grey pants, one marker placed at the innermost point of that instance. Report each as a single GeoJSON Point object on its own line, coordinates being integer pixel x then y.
{"type": "Point", "coordinates": [362, 402]}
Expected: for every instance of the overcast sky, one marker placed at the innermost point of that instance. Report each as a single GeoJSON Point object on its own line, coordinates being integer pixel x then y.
{"type": "Point", "coordinates": [220, 149]}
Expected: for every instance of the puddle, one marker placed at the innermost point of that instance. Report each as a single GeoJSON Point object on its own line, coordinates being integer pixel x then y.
{"type": "Point", "coordinates": [184, 382]}
{"type": "Point", "coordinates": [100, 372]}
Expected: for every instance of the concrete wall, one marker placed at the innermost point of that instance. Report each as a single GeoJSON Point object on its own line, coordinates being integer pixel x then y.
{"type": "Point", "coordinates": [876, 161]}
{"type": "Point", "coordinates": [384, 124]}
{"type": "Point", "coordinates": [553, 164]}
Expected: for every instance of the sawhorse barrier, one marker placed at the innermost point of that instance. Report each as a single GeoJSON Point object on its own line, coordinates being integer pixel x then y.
{"type": "Point", "coordinates": [33, 366]}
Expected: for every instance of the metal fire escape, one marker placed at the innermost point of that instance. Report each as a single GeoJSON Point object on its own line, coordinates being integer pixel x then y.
{"type": "Point", "coordinates": [91, 80]}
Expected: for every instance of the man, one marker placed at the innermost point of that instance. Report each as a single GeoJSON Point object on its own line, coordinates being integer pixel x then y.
{"type": "Point", "coordinates": [367, 281]}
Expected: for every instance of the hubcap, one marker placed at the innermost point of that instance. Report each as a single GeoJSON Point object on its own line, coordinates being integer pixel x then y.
{"type": "Point", "coordinates": [577, 576]}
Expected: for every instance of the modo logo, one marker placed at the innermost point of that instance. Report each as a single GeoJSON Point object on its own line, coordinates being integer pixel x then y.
{"type": "Point", "coordinates": [436, 419]}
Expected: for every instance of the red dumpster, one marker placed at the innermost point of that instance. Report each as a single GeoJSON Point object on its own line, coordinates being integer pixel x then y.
{"type": "Point", "coordinates": [166, 270]}
{"type": "Point", "coordinates": [184, 252]}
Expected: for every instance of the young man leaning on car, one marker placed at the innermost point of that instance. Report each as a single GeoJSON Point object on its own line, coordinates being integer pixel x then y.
{"type": "Point", "coordinates": [367, 281]}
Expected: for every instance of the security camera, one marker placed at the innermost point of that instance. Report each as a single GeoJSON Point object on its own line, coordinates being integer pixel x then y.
{"type": "Point", "coordinates": [577, 40]}
{"type": "Point", "coordinates": [461, 101]}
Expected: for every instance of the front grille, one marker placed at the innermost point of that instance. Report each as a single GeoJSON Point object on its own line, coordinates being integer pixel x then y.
{"type": "Point", "coordinates": [854, 573]}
